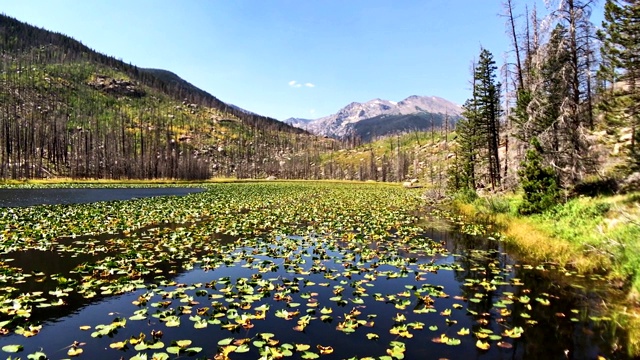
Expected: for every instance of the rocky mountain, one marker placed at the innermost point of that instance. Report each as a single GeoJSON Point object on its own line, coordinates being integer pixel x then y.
{"type": "Point", "coordinates": [382, 117]}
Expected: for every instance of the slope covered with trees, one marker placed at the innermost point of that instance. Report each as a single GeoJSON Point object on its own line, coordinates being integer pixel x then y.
{"type": "Point", "coordinates": [66, 110]}
{"type": "Point", "coordinates": [569, 95]}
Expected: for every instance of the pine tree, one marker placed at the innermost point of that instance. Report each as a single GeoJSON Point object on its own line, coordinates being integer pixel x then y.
{"type": "Point", "coordinates": [538, 182]}
{"type": "Point", "coordinates": [486, 94]}
{"type": "Point", "coordinates": [620, 50]}
{"type": "Point", "coordinates": [468, 138]}
{"type": "Point", "coordinates": [478, 133]}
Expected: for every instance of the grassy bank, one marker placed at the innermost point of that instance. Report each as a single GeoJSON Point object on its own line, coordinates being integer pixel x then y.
{"type": "Point", "coordinates": [585, 234]}
{"type": "Point", "coordinates": [589, 235]}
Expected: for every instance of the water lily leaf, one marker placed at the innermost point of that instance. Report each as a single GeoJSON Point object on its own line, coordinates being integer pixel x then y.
{"type": "Point", "coordinates": [302, 347]}
{"type": "Point", "coordinates": [182, 343]}
{"type": "Point", "coordinates": [12, 348]}
{"type": "Point", "coordinates": [74, 351]}
{"type": "Point", "coordinates": [38, 355]}
{"type": "Point", "coordinates": [173, 321]}
{"type": "Point", "coordinates": [309, 355]}
{"type": "Point", "coordinates": [325, 350]}
{"type": "Point", "coordinates": [200, 324]}
{"type": "Point", "coordinates": [155, 345]}
{"type": "Point", "coordinates": [141, 346]}
{"type": "Point", "coordinates": [138, 317]}
{"type": "Point", "coordinates": [242, 349]}
{"type": "Point", "coordinates": [118, 345]}
{"type": "Point", "coordinates": [482, 345]}
{"type": "Point", "coordinates": [372, 336]}
{"type": "Point", "coordinates": [226, 341]}
{"type": "Point", "coordinates": [174, 350]}
{"type": "Point", "coordinates": [453, 342]}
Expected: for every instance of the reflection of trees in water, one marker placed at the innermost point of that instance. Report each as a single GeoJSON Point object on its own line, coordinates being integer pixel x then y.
{"type": "Point", "coordinates": [554, 334]}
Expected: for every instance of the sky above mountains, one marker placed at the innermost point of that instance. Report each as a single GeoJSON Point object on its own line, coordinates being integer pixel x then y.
{"type": "Point", "coordinates": [292, 58]}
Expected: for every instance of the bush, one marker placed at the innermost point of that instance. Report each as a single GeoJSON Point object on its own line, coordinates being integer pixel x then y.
{"type": "Point", "coordinates": [498, 205]}
{"type": "Point", "coordinates": [465, 195]}
{"type": "Point", "coordinates": [595, 186]}
{"type": "Point", "coordinates": [541, 190]}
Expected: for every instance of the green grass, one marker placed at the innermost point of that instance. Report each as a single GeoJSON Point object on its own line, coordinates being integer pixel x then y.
{"type": "Point", "coordinates": [589, 234]}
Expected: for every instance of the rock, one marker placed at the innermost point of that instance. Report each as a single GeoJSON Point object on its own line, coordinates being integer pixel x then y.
{"type": "Point", "coordinates": [631, 183]}
{"type": "Point", "coordinates": [616, 149]}
{"type": "Point", "coordinates": [271, 178]}
{"type": "Point", "coordinates": [407, 184]}
{"type": "Point", "coordinates": [116, 86]}
{"type": "Point", "coordinates": [626, 137]}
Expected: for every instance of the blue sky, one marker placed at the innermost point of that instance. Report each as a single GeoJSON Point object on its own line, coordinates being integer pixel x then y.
{"type": "Point", "coordinates": [290, 58]}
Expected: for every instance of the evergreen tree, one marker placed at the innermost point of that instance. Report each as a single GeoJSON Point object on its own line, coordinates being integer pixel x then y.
{"type": "Point", "coordinates": [620, 50]}
{"type": "Point", "coordinates": [479, 129]}
{"type": "Point", "coordinates": [486, 95]}
{"type": "Point", "coordinates": [467, 130]}
{"type": "Point", "coordinates": [538, 182]}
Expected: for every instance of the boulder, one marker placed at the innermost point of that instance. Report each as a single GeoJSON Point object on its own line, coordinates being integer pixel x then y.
{"type": "Point", "coordinates": [631, 183]}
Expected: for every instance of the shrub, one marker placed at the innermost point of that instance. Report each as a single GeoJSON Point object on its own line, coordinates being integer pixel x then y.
{"type": "Point", "coordinates": [595, 186]}
{"type": "Point", "coordinates": [498, 205]}
{"type": "Point", "coordinates": [465, 195]}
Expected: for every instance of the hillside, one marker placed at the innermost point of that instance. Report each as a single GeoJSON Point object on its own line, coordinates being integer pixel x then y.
{"type": "Point", "coordinates": [379, 118]}
{"type": "Point", "coordinates": [67, 110]}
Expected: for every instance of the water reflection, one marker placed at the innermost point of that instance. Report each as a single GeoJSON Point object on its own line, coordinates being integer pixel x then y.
{"type": "Point", "coordinates": [477, 277]}
{"type": "Point", "coordinates": [562, 329]}
{"type": "Point", "coordinates": [54, 196]}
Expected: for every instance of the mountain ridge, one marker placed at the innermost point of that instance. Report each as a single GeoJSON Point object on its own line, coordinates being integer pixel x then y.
{"type": "Point", "coordinates": [412, 113]}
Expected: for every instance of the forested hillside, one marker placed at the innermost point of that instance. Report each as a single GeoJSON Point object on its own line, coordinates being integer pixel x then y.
{"type": "Point", "coordinates": [564, 114]}
{"type": "Point", "coordinates": [66, 110]}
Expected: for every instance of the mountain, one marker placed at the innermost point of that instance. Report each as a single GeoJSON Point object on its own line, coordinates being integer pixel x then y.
{"type": "Point", "coordinates": [382, 117]}
{"type": "Point", "coordinates": [69, 111]}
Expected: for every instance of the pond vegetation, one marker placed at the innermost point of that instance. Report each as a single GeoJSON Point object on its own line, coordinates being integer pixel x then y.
{"type": "Point", "coordinates": [283, 270]}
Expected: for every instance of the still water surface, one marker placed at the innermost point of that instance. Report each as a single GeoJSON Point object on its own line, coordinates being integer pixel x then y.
{"type": "Point", "coordinates": [564, 329]}
{"type": "Point", "coordinates": [33, 197]}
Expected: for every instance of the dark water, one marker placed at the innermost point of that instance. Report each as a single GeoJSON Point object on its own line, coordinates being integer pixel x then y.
{"type": "Point", "coordinates": [552, 337]}
{"type": "Point", "coordinates": [32, 197]}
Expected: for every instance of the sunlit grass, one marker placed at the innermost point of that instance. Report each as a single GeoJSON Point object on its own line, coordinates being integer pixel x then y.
{"type": "Point", "coordinates": [588, 235]}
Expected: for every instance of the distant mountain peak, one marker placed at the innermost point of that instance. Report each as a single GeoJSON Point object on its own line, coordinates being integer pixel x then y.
{"type": "Point", "coordinates": [414, 111]}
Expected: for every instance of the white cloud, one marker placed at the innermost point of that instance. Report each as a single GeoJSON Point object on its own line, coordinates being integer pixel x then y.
{"type": "Point", "coordinates": [296, 84]}
{"type": "Point", "coordinates": [312, 111]}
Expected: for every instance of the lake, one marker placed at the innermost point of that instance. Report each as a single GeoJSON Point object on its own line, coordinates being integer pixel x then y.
{"type": "Point", "coordinates": [291, 271]}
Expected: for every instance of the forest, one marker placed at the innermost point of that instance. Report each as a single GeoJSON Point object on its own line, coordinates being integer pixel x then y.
{"type": "Point", "coordinates": [566, 112]}
{"type": "Point", "coordinates": [68, 111]}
